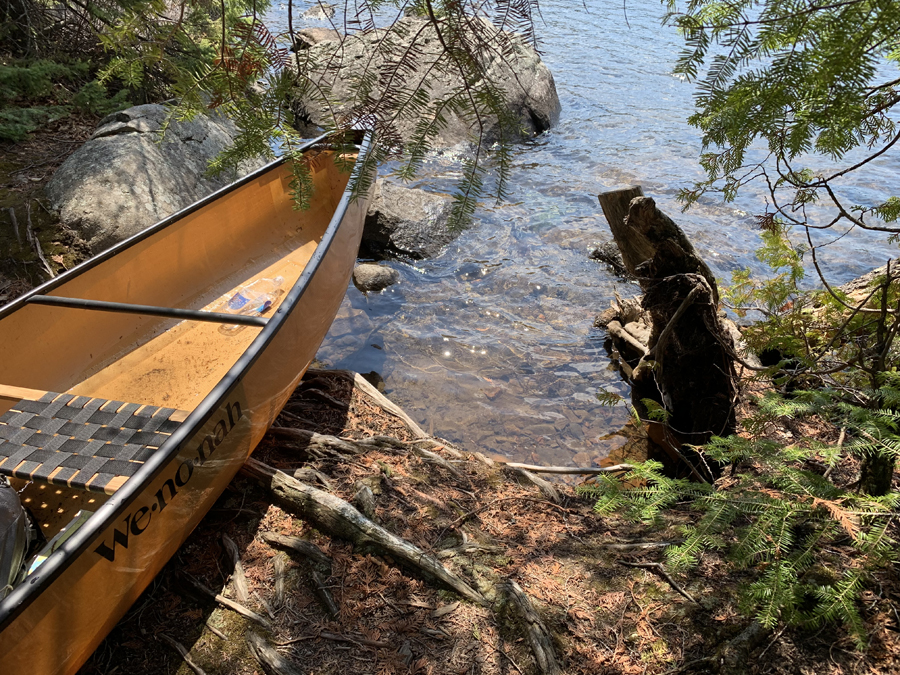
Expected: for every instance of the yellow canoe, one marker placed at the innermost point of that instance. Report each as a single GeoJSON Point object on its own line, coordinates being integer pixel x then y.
{"type": "Point", "coordinates": [129, 394]}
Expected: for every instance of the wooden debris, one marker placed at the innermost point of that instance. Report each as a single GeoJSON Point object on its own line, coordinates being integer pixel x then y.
{"type": "Point", "coordinates": [337, 637]}
{"type": "Point", "coordinates": [185, 654]}
{"type": "Point", "coordinates": [546, 488]}
{"type": "Point", "coordinates": [280, 566]}
{"type": "Point", "coordinates": [309, 475]}
{"type": "Point", "coordinates": [266, 606]}
{"type": "Point", "coordinates": [661, 571]}
{"type": "Point", "coordinates": [629, 546]}
{"type": "Point", "coordinates": [364, 500]}
{"type": "Point", "coordinates": [215, 631]}
{"type": "Point", "coordinates": [238, 579]}
{"type": "Point", "coordinates": [231, 604]}
{"type": "Point", "coordinates": [305, 548]}
{"type": "Point", "coordinates": [325, 596]}
{"type": "Point", "coordinates": [444, 610]}
{"type": "Point", "coordinates": [336, 517]}
{"type": "Point", "coordinates": [688, 369]}
{"type": "Point", "coordinates": [537, 633]}
{"type": "Point", "coordinates": [271, 661]}
{"type": "Point", "coordinates": [534, 468]}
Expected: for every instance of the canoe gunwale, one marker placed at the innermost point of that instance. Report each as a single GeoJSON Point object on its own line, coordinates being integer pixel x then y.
{"type": "Point", "coordinates": [149, 231]}
{"type": "Point", "coordinates": [21, 597]}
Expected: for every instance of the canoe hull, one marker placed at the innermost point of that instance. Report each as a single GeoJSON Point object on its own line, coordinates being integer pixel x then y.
{"type": "Point", "coordinates": [57, 629]}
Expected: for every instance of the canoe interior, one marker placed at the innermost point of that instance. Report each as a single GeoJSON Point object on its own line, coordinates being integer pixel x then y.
{"type": "Point", "coordinates": [197, 262]}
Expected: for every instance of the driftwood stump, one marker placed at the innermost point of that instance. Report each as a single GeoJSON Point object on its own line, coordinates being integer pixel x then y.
{"type": "Point", "coordinates": [688, 368]}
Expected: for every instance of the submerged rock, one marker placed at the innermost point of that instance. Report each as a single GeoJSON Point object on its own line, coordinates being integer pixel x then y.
{"type": "Point", "coordinates": [125, 179]}
{"type": "Point", "coordinates": [526, 83]}
{"type": "Point", "coordinates": [406, 221]}
{"type": "Point", "coordinates": [371, 278]}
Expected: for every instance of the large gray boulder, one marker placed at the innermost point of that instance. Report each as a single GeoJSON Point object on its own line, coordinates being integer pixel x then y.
{"type": "Point", "coordinates": [125, 179]}
{"type": "Point", "coordinates": [406, 221]}
{"type": "Point", "coordinates": [339, 67]}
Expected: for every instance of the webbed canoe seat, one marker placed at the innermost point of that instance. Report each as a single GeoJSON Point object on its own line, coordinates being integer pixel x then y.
{"type": "Point", "coordinates": [91, 444]}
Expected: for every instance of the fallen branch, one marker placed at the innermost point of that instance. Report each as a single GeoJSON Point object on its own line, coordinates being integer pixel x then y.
{"type": "Point", "coordinates": [336, 637]}
{"type": "Point", "coordinates": [271, 661]}
{"type": "Point", "coordinates": [546, 488]}
{"type": "Point", "coordinates": [231, 604]}
{"type": "Point", "coordinates": [336, 517]}
{"type": "Point", "coordinates": [661, 571]}
{"type": "Point", "coordinates": [215, 631]}
{"type": "Point", "coordinates": [305, 548]}
{"type": "Point", "coordinates": [485, 507]}
{"type": "Point", "coordinates": [639, 545]}
{"type": "Point", "coordinates": [538, 635]}
{"type": "Point", "coordinates": [570, 469]}
{"type": "Point", "coordinates": [379, 399]}
{"type": "Point", "coordinates": [185, 655]}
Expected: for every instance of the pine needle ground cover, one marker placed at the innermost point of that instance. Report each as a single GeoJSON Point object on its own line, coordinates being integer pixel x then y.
{"type": "Point", "coordinates": [605, 615]}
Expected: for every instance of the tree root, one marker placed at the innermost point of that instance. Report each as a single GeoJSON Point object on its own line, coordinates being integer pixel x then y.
{"type": "Point", "coordinates": [238, 579]}
{"type": "Point", "coordinates": [280, 566]}
{"type": "Point", "coordinates": [231, 604]}
{"type": "Point", "coordinates": [546, 488]}
{"type": "Point", "coordinates": [534, 468]}
{"type": "Point", "coordinates": [661, 571]}
{"type": "Point", "coordinates": [305, 548]}
{"type": "Point", "coordinates": [314, 555]}
{"type": "Point", "coordinates": [538, 635]}
{"type": "Point", "coordinates": [325, 596]}
{"type": "Point", "coordinates": [271, 661]}
{"type": "Point", "coordinates": [336, 517]}
{"type": "Point", "coordinates": [185, 654]}
{"type": "Point", "coordinates": [365, 387]}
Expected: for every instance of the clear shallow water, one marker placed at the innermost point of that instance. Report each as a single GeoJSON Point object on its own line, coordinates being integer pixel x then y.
{"type": "Point", "coordinates": [490, 344]}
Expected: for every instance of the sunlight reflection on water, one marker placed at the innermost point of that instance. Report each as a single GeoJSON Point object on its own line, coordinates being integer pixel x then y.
{"type": "Point", "coordinates": [490, 344]}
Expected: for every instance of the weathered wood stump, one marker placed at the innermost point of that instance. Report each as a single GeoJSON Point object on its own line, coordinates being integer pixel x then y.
{"type": "Point", "coordinates": [688, 369]}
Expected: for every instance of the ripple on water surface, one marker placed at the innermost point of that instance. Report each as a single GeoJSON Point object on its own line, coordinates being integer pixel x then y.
{"type": "Point", "coordinates": [491, 344]}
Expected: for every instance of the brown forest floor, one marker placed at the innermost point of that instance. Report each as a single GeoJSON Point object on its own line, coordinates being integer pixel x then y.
{"type": "Point", "coordinates": [25, 168]}
{"type": "Point", "coordinates": [604, 617]}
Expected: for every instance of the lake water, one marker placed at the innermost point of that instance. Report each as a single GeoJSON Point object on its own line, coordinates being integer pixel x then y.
{"type": "Point", "coordinates": [491, 344]}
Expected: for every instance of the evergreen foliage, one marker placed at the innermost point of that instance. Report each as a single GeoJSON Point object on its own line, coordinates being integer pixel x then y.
{"type": "Point", "coordinates": [34, 92]}
{"type": "Point", "coordinates": [221, 56]}
{"type": "Point", "coordinates": [780, 82]}
{"type": "Point", "coordinates": [775, 517]}
{"type": "Point", "coordinates": [233, 63]}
